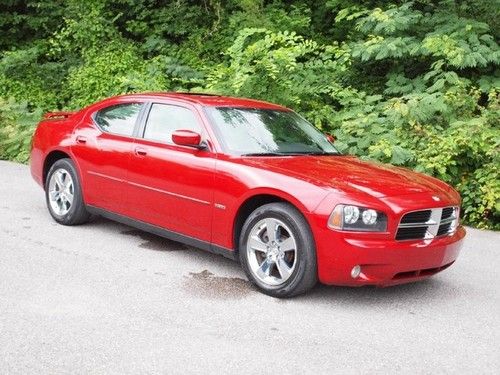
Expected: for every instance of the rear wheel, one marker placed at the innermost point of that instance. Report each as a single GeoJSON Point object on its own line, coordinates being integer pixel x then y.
{"type": "Point", "coordinates": [277, 250]}
{"type": "Point", "coordinates": [63, 194]}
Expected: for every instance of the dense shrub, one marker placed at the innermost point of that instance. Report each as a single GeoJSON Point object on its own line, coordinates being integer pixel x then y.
{"type": "Point", "coordinates": [17, 126]}
{"type": "Point", "coordinates": [410, 83]}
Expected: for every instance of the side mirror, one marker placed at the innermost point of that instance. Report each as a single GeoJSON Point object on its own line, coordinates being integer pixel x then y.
{"type": "Point", "coordinates": [187, 138]}
{"type": "Point", "coordinates": [330, 138]}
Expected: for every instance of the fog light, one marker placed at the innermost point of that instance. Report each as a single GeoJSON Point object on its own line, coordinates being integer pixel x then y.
{"type": "Point", "coordinates": [356, 270]}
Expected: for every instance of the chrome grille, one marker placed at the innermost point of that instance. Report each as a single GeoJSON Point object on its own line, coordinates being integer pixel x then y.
{"type": "Point", "coordinates": [447, 212]}
{"type": "Point", "coordinates": [416, 217]}
{"type": "Point", "coordinates": [427, 224]}
{"type": "Point", "coordinates": [443, 229]}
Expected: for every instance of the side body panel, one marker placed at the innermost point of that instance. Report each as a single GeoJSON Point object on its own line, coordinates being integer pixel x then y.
{"type": "Point", "coordinates": [235, 184]}
{"type": "Point", "coordinates": [104, 160]}
{"type": "Point", "coordinates": [172, 187]}
{"type": "Point", "coordinates": [51, 135]}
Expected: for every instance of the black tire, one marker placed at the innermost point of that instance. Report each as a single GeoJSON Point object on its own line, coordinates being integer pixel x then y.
{"type": "Point", "coordinates": [304, 275]}
{"type": "Point", "coordinates": [77, 213]}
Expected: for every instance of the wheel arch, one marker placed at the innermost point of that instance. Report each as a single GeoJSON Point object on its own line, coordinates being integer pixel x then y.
{"type": "Point", "coordinates": [51, 158]}
{"type": "Point", "coordinates": [252, 202]}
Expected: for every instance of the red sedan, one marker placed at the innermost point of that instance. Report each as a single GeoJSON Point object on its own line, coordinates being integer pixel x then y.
{"type": "Point", "coordinates": [249, 180]}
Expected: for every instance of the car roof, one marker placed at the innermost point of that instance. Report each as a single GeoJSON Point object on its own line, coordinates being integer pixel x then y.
{"type": "Point", "coordinates": [207, 100]}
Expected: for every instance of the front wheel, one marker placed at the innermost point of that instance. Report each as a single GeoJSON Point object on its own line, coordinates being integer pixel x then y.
{"type": "Point", "coordinates": [277, 250]}
{"type": "Point", "coordinates": [63, 194]}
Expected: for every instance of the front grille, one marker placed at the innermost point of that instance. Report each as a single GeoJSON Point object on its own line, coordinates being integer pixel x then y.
{"type": "Point", "coordinates": [416, 217]}
{"type": "Point", "coordinates": [443, 229]}
{"type": "Point", "coordinates": [447, 212]}
{"type": "Point", "coordinates": [420, 273]}
{"type": "Point", "coordinates": [411, 233]}
{"type": "Point", "coordinates": [427, 224]}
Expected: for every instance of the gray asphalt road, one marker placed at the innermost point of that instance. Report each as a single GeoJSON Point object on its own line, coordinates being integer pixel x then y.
{"type": "Point", "coordinates": [105, 298]}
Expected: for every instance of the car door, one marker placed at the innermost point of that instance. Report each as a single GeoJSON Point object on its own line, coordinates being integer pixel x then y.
{"type": "Point", "coordinates": [170, 185]}
{"type": "Point", "coordinates": [103, 147]}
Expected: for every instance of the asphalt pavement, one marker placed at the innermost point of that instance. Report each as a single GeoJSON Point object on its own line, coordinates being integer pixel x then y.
{"type": "Point", "coordinates": [104, 298]}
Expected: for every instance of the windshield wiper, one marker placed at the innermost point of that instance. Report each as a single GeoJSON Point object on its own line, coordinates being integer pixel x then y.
{"type": "Point", "coordinates": [294, 153]}
{"type": "Point", "coordinates": [318, 153]}
{"type": "Point", "coordinates": [265, 154]}
{"type": "Point", "coordinates": [299, 153]}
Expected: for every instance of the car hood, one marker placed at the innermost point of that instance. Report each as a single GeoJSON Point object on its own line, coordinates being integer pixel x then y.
{"type": "Point", "coordinates": [350, 173]}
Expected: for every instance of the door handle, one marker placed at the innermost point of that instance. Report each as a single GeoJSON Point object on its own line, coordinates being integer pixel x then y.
{"type": "Point", "coordinates": [139, 151]}
{"type": "Point", "coordinates": [81, 139]}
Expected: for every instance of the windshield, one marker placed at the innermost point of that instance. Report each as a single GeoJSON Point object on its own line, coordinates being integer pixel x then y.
{"type": "Point", "coordinates": [250, 131]}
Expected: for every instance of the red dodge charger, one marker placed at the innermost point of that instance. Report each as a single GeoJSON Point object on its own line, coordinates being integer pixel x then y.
{"type": "Point", "coordinates": [250, 180]}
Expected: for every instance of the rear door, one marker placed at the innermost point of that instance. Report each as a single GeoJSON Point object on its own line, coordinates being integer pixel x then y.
{"type": "Point", "coordinates": [172, 186]}
{"type": "Point", "coordinates": [104, 142]}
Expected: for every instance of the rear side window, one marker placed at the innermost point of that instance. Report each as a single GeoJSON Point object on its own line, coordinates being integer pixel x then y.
{"type": "Point", "coordinates": [118, 119]}
{"type": "Point", "coordinates": [164, 119]}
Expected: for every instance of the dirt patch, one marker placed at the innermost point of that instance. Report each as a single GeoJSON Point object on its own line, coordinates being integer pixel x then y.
{"type": "Point", "coordinates": [153, 242]}
{"type": "Point", "coordinates": [206, 284]}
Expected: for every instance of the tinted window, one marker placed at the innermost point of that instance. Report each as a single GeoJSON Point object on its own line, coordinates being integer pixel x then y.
{"type": "Point", "coordinates": [163, 119]}
{"type": "Point", "coordinates": [119, 119]}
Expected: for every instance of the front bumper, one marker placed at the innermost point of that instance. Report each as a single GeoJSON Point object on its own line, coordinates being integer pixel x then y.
{"type": "Point", "coordinates": [383, 261]}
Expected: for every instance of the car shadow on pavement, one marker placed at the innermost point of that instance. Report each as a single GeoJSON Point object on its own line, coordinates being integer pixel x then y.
{"type": "Point", "coordinates": [427, 291]}
{"type": "Point", "coordinates": [432, 290]}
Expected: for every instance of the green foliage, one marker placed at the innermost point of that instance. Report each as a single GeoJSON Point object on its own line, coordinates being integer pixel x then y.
{"type": "Point", "coordinates": [25, 75]}
{"type": "Point", "coordinates": [412, 83]}
{"type": "Point", "coordinates": [279, 66]}
{"type": "Point", "coordinates": [17, 126]}
{"type": "Point", "coordinates": [103, 73]}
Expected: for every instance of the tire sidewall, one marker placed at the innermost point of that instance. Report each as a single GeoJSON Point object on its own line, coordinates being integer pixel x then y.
{"type": "Point", "coordinates": [305, 255]}
{"type": "Point", "coordinates": [70, 216]}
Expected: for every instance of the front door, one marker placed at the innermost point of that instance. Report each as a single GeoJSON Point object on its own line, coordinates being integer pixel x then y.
{"type": "Point", "coordinates": [172, 186]}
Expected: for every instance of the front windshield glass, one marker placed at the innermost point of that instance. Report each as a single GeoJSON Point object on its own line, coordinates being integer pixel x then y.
{"type": "Point", "coordinates": [250, 131]}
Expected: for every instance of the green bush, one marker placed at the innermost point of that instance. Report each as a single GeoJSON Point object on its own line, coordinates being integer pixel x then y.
{"type": "Point", "coordinates": [17, 126]}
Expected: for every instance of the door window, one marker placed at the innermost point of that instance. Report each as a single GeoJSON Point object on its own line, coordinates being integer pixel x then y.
{"type": "Point", "coordinates": [164, 119]}
{"type": "Point", "coordinates": [118, 119]}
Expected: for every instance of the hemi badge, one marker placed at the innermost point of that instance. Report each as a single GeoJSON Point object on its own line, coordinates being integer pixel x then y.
{"type": "Point", "coordinates": [436, 198]}
{"type": "Point", "coordinates": [221, 206]}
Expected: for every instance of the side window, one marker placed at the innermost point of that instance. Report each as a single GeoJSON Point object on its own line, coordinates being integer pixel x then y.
{"type": "Point", "coordinates": [118, 119]}
{"type": "Point", "coordinates": [163, 119]}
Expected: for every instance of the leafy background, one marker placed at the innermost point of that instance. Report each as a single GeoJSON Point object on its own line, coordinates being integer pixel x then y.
{"type": "Point", "coordinates": [409, 83]}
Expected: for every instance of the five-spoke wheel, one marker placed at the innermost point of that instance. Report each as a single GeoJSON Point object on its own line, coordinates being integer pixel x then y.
{"type": "Point", "coordinates": [61, 191]}
{"type": "Point", "coordinates": [64, 194]}
{"type": "Point", "coordinates": [271, 249]}
{"type": "Point", "coordinates": [277, 250]}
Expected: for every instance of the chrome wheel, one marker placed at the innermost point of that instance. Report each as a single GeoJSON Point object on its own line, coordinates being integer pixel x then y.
{"type": "Point", "coordinates": [271, 251]}
{"type": "Point", "coordinates": [61, 192]}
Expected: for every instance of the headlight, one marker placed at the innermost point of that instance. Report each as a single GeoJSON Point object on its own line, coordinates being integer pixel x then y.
{"type": "Point", "coordinates": [354, 218]}
{"type": "Point", "coordinates": [351, 214]}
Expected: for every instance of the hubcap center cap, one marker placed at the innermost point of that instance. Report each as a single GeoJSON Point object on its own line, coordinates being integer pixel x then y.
{"type": "Point", "coordinates": [273, 252]}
